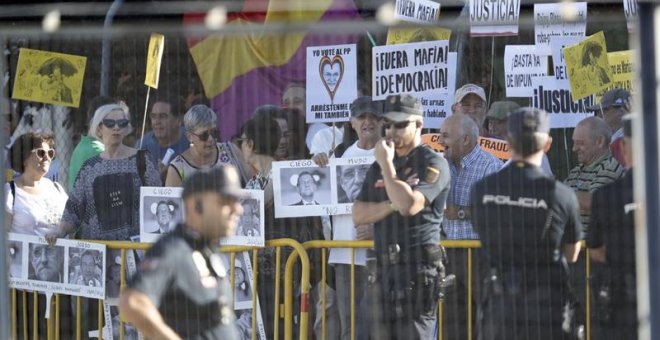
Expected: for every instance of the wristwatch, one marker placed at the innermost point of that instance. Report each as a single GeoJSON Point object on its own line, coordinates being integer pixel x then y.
{"type": "Point", "coordinates": [461, 213]}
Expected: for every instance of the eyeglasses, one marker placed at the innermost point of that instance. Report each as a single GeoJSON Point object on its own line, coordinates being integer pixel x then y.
{"type": "Point", "coordinates": [398, 126]}
{"type": "Point", "coordinates": [41, 153]}
{"type": "Point", "coordinates": [204, 136]}
{"type": "Point", "coordinates": [110, 123]}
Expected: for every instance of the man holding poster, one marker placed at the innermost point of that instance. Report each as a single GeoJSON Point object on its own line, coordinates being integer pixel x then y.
{"type": "Point", "coordinates": [406, 218]}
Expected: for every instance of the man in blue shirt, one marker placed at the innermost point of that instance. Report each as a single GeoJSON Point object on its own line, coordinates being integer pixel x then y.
{"type": "Point", "coordinates": [167, 131]}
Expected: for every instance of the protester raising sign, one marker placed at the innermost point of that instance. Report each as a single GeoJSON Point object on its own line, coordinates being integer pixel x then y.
{"type": "Point", "coordinates": [549, 22]}
{"type": "Point", "coordinates": [419, 11]}
{"type": "Point", "coordinates": [588, 67]}
{"type": "Point", "coordinates": [556, 98]}
{"type": "Point", "coordinates": [410, 68]}
{"type": "Point", "coordinates": [521, 64]}
{"type": "Point", "coordinates": [493, 18]}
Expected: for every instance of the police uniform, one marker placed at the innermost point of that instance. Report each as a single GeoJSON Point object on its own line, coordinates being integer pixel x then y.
{"type": "Point", "coordinates": [185, 279]}
{"type": "Point", "coordinates": [523, 218]}
{"type": "Point", "coordinates": [408, 256]}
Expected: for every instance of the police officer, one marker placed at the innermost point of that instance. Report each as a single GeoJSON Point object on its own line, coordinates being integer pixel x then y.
{"type": "Point", "coordinates": [181, 289]}
{"type": "Point", "coordinates": [529, 227]}
{"type": "Point", "coordinates": [404, 195]}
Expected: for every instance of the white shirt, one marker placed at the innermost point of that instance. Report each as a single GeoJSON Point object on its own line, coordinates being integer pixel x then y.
{"type": "Point", "coordinates": [322, 141]}
{"type": "Point", "coordinates": [36, 214]}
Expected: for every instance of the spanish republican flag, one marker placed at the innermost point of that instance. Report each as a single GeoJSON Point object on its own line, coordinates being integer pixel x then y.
{"type": "Point", "coordinates": [241, 72]}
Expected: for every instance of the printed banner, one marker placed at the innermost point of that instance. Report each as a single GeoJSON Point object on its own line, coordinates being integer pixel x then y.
{"type": "Point", "coordinates": [496, 147]}
{"type": "Point", "coordinates": [250, 229]}
{"type": "Point", "coordinates": [397, 36]}
{"type": "Point", "coordinates": [437, 107]}
{"type": "Point", "coordinates": [49, 77]}
{"type": "Point", "coordinates": [521, 64]}
{"type": "Point", "coordinates": [557, 44]}
{"type": "Point", "coordinates": [161, 209]}
{"type": "Point", "coordinates": [494, 18]}
{"type": "Point", "coordinates": [623, 72]}
{"type": "Point", "coordinates": [549, 22]}
{"type": "Point", "coordinates": [154, 57]}
{"type": "Point", "coordinates": [331, 82]}
{"type": "Point", "coordinates": [630, 10]}
{"type": "Point", "coordinates": [419, 11]}
{"type": "Point", "coordinates": [69, 267]}
{"type": "Point", "coordinates": [556, 98]}
{"type": "Point", "coordinates": [588, 67]}
{"type": "Point", "coordinates": [410, 68]}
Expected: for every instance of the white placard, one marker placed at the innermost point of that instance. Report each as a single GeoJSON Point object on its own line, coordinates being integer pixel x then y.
{"type": "Point", "coordinates": [301, 188]}
{"type": "Point", "coordinates": [419, 11]}
{"type": "Point", "coordinates": [161, 208]}
{"type": "Point", "coordinates": [557, 100]}
{"type": "Point", "coordinates": [521, 64]}
{"type": "Point", "coordinates": [111, 329]}
{"type": "Point", "coordinates": [69, 267]}
{"type": "Point", "coordinates": [630, 10]}
{"type": "Point", "coordinates": [437, 107]}
{"type": "Point", "coordinates": [349, 176]}
{"type": "Point", "coordinates": [548, 23]}
{"type": "Point", "coordinates": [410, 68]}
{"type": "Point", "coordinates": [331, 82]}
{"type": "Point", "coordinates": [494, 18]}
{"type": "Point", "coordinates": [559, 63]}
{"type": "Point", "coordinates": [250, 229]}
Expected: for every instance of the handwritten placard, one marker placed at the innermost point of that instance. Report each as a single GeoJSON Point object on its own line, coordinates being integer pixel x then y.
{"type": "Point", "coordinates": [549, 22]}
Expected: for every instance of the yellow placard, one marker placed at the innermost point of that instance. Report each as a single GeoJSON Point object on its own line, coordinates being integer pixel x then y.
{"type": "Point", "coordinates": [587, 65]}
{"type": "Point", "coordinates": [496, 147]}
{"type": "Point", "coordinates": [623, 72]}
{"type": "Point", "coordinates": [409, 35]}
{"type": "Point", "coordinates": [154, 57]}
{"type": "Point", "coordinates": [49, 77]}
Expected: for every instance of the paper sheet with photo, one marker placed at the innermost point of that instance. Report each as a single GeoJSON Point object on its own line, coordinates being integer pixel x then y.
{"type": "Point", "coordinates": [588, 66]}
{"type": "Point", "coordinates": [161, 208]}
{"type": "Point", "coordinates": [301, 188]}
{"type": "Point", "coordinates": [112, 325]}
{"type": "Point", "coordinates": [154, 57]}
{"type": "Point", "coordinates": [251, 225]}
{"type": "Point", "coordinates": [549, 22]}
{"type": "Point", "coordinates": [349, 174]}
{"type": "Point", "coordinates": [69, 267]}
{"type": "Point", "coordinates": [494, 18]}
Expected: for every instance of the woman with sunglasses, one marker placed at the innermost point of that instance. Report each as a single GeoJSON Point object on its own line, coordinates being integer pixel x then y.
{"type": "Point", "coordinates": [205, 151]}
{"type": "Point", "coordinates": [105, 201]}
{"type": "Point", "coordinates": [34, 204]}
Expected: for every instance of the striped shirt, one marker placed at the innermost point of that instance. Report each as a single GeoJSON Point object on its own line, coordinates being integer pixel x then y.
{"type": "Point", "coordinates": [474, 166]}
{"type": "Point", "coordinates": [588, 178]}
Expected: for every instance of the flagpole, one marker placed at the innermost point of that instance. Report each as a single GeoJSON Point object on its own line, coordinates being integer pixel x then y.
{"type": "Point", "coordinates": [144, 117]}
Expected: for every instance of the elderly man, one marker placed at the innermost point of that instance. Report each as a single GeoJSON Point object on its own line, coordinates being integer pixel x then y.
{"type": "Point", "coordinates": [47, 262]}
{"type": "Point", "coordinates": [470, 100]}
{"type": "Point", "coordinates": [613, 106]}
{"type": "Point", "coordinates": [167, 131]}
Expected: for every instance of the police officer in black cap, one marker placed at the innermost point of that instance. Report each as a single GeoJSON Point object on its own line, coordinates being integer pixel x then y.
{"type": "Point", "coordinates": [529, 227]}
{"type": "Point", "coordinates": [404, 195]}
{"type": "Point", "coordinates": [181, 289]}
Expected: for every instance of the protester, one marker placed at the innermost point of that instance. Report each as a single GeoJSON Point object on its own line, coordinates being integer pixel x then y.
{"type": "Point", "coordinates": [205, 151]}
{"type": "Point", "coordinates": [182, 289]}
{"type": "Point", "coordinates": [613, 106]}
{"type": "Point", "coordinates": [470, 99]}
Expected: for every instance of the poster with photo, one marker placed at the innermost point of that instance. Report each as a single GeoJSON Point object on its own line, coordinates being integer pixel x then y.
{"type": "Point", "coordinates": [112, 326]}
{"type": "Point", "coordinates": [161, 208]}
{"type": "Point", "coordinates": [301, 188]}
{"type": "Point", "coordinates": [69, 267]}
{"type": "Point", "coordinates": [250, 229]}
{"type": "Point", "coordinates": [349, 175]}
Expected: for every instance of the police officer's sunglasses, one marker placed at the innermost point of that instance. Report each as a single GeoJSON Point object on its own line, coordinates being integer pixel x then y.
{"type": "Point", "coordinates": [398, 126]}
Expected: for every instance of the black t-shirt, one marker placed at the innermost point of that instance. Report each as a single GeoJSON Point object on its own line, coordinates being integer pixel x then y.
{"type": "Point", "coordinates": [434, 181]}
{"type": "Point", "coordinates": [185, 279]}
{"type": "Point", "coordinates": [510, 214]}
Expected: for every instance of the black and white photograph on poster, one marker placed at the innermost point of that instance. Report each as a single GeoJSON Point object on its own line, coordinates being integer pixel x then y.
{"type": "Point", "coordinates": [161, 208]}
{"type": "Point", "coordinates": [58, 268]}
{"type": "Point", "coordinates": [350, 174]}
{"type": "Point", "coordinates": [331, 82]}
{"type": "Point", "coordinates": [15, 259]}
{"type": "Point", "coordinates": [243, 279]}
{"type": "Point", "coordinates": [113, 275]}
{"type": "Point", "coordinates": [111, 329]}
{"type": "Point", "coordinates": [250, 229]}
{"type": "Point", "coordinates": [244, 324]}
{"type": "Point", "coordinates": [301, 189]}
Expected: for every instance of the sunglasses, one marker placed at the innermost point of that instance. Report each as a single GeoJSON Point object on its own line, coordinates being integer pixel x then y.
{"type": "Point", "coordinates": [110, 123]}
{"type": "Point", "coordinates": [41, 153]}
{"type": "Point", "coordinates": [204, 136]}
{"type": "Point", "coordinates": [398, 126]}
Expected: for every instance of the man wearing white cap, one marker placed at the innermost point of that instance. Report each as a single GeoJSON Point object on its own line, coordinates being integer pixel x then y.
{"type": "Point", "coordinates": [470, 99]}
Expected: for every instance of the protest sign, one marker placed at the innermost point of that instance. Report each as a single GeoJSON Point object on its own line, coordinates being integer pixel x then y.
{"type": "Point", "coordinates": [301, 188]}
{"type": "Point", "coordinates": [521, 64]}
{"type": "Point", "coordinates": [349, 174]}
{"type": "Point", "coordinates": [49, 77]}
{"type": "Point", "coordinates": [496, 147]}
{"type": "Point", "coordinates": [397, 36]}
{"type": "Point", "coordinates": [623, 72]}
{"type": "Point", "coordinates": [437, 106]}
{"type": "Point", "coordinates": [154, 57]}
{"type": "Point", "coordinates": [559, 63]}
{"type": "Point", "coordinates": [410, 68]}
{"type": "Point", "coordinates": [587, 65]}
{"type": "Point", "coordinates": [161, 208]}
{"type": "Point", "coordinates": [556, 98]}
{"type": "Point", "coordinates": [250, 229]}
{"type": "Point", "coordinates": [494, 18]}
{"type": "Point", "coordinates": [69, 267]}
{"type": "Point", "coordinates": [419, 11]}
{"type": "Point", "coordinates": [549, 22]}
{"type": "Point", "coordinates": [331, 82]}
{"type": "Point", "coordinates": [630, 10]}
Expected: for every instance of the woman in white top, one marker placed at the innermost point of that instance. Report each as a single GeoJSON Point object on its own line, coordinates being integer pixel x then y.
{"type": "Point", "coordinates": [34, 204]}
{"type": "Point", "coordinates": [205, 151]}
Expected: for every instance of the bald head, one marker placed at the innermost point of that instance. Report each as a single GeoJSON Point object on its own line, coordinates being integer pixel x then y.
{"type": "Point", "coordinates": [458, 135]}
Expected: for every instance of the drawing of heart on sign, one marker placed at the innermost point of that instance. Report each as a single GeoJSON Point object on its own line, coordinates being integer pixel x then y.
{"type": "Point", "coordinates": [331, 72]}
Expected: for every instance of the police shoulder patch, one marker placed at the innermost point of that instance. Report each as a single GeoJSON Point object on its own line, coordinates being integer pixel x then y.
{"type": "Point", "coordinates": [432, 174]}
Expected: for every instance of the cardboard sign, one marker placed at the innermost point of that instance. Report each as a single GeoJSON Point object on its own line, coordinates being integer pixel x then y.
{"type": "Point", "coordinates": [419, 11]}
{"type": "Point", "coordinates": [494, 18]}
{"type": "Point", "coordinates": [521, 64]}
{"type": "Point", "coordinates": [556, 98]}
{"type": "Point", "coordinates": [410, 68]}
{"type": "Point", "coordinates": [437, 107]}
{"type": "Point", "coordinates": [557, 44]}
{"type": "Point", "coordinates": [588, 68]}
{"type": "Point", "coordinates": [154, 57]}
{"type": "Point", "coordinates": [630, 10]}
{"type": "Point", "coordinates": [623, 72]}
{"type": "Point", "coordinates": [548, 23]}
{"type": "Point", "coordinates": [49, 77]}
{"type": "Point", "coordinates": [496, 147]}
{"type": "Point", "coordinates": [397, 36]}
{"type": "Point", "coordinates": [331, 82]}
